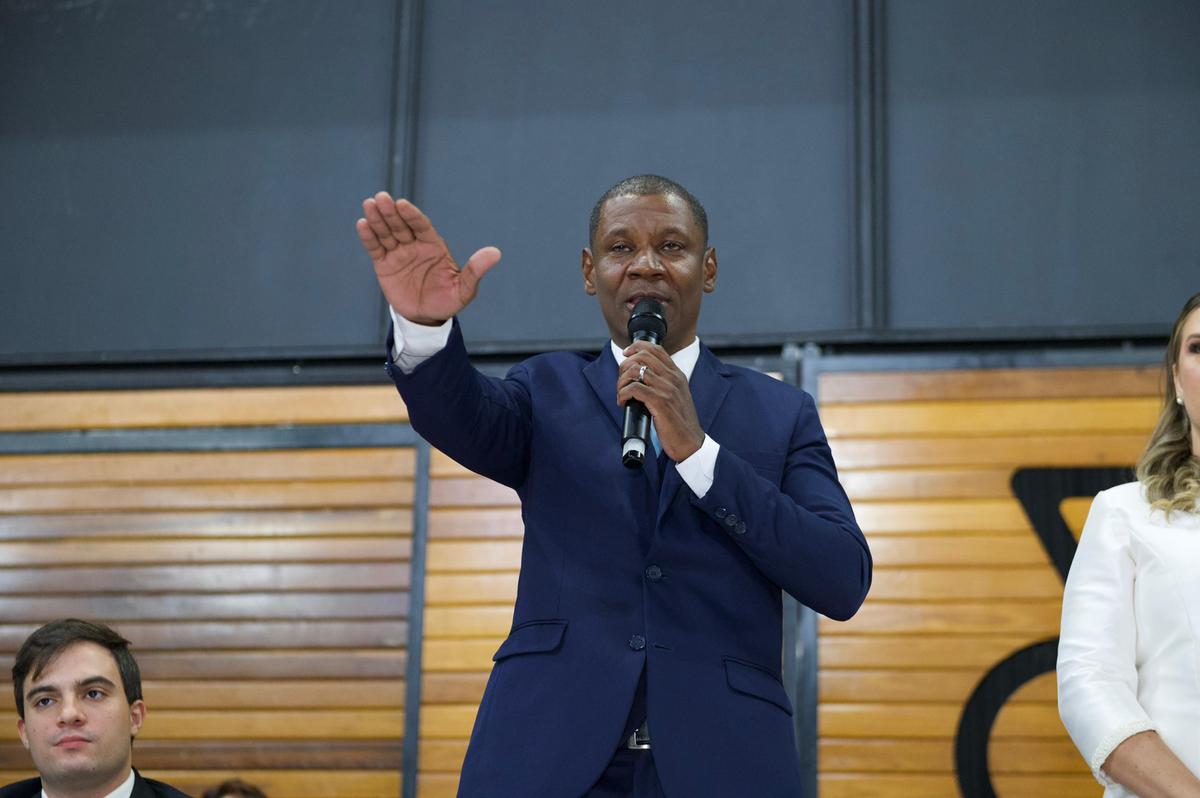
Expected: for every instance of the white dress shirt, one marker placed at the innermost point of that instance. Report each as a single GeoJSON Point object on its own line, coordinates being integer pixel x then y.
{"type": "Point", "coordinates": [413, 344]}
{"type": "Point", "coordinates": [124, 791]}
{"type": "Point", "coordinates": [1129, 649]}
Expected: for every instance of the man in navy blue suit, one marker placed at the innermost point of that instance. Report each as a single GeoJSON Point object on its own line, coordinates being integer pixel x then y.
{"type": "Point", "coordinates": [645, 651]}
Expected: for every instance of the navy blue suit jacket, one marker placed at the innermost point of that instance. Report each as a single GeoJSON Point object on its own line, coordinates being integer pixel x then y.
{"type": "Point", "coordinates": [628, 569]}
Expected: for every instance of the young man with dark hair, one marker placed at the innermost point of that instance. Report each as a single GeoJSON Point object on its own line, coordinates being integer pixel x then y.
{"type": "Point", "coordinates": [79, 705]}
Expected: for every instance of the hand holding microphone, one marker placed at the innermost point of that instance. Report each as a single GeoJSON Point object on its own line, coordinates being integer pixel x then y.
{"type": "Point", "coordinates": [646, 323]}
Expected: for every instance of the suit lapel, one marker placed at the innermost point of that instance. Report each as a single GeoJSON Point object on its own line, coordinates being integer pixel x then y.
{"type": "Point", "coordinates": [709, 388]}
{"type": "Point", "coordinates": [601, 374]}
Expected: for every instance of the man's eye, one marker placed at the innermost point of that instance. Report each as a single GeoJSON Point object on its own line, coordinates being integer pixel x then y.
{"type": "Point", "coordinates": [672, 246]}
{"type": "Point", "coordinates": [620, 247]}
{"type": "Point", "coordinates": [95, 694]}
{"type": "Point", "coordinates": [44, 701]}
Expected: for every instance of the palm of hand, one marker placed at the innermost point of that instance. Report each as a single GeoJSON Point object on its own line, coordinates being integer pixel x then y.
{"type": "Point", "coordinates": [421, 281]}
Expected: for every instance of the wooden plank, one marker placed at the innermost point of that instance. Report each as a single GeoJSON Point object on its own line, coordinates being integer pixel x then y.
{"type": "Point", "coordinates": [301, 464]}
{"type": "Point", "coordinates": [1037, 756]}
{"type": "Point", "coordinates": [894, 785]}
{"type": "Point", "coordinates": [453, 688]}
{"type": "Point", "coordinates": [456, 622]}
{"type": "Point", "coordinates": [843, 686]}
{"type": "Point", "coordinates": [471, 492]}
{"type": "Point", "coordinates": [255, 556]}
{"type": "Point", "coordinates": [462, 656]}
{"type": "Point", "coordinates": [229, 496]}
{"type": "Point", "coordinates": [209, 524]}
{"type": "Point", "coordinates": [198, 407]}
{"type": "Point", "coordinates": [1012, 451]}
{"type": "Point", "coordinates": [970, 418]}
{"type": "Point", "coordinates": [941, 516]}
{"type": "Point", "coordinates": [279, 724]}
{"type": "Point", "coordinates": [965, 584]}
{"type": "Point", "coordinates": [937, 756]}
{"type": "Point", "coordinates": [460, 589]}
{"type": "Point", "coordinates": [477, 524]}
{"type": "Point", "coordinates": [440, 465]}
{"type": "Point", "coordinates": [224, 578]}
{"type": "Point", "coordinates": [1026, 383]}
{"type": "Point", "coordinates": [933, 720]}
{"type": "Point", "coordinates": [884, 756]}
{"type": "Point", "coordinates": [473, 555]}
{"type": "Point", "coordinates": [1080, 786]}
{"type": "Point", "coordinates": [899, 652]}
{"type": "Point", "coordinates": [928, 483]}
{"type": "Point", "coordinates": [446, 721]}
{"type": "Point", "coordinates": [201, 606]}
{"type": "Point", "coordinates": [175, 635]}
{"type": "Point", "coordinates": [974, 550]}
{"type": "Point", "coordinates": [966, 617]}
{"type": "Point", "coordinates": [442, 756]}
{"type": "Point", "coordinates": [296, 664]}
{"type": "Point", "coordinates": [271, 694]}
{"type": "Point", "coordinates": [437, 785]}
{"type": "Point", "coordinates": [243, 755]}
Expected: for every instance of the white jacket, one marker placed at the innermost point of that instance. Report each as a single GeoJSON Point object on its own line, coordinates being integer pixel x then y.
{"type": "Point", "coordinates": [1129, 650]}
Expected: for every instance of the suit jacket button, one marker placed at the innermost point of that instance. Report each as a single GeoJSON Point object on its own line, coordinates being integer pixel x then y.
{"type": "Point", "coordinates": [654, 573]}
{"type": "Point", "coordinates": [731, 520]}
{"type": "Point", "coordinates": [740, 528]}
{"type": "Point", "coordinates": [637, 642]}
{"type": "Point", "coordinates": [720, 512]}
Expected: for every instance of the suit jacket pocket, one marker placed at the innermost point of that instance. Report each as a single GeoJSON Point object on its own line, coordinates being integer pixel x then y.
{"type": "Point", "coordinates": [754, 680]}
{"type": "Point", "coordinates": [532, 637]}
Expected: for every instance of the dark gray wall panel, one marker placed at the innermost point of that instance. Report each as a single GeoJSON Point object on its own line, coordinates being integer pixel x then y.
{"type": "Point", "coordinates": [1043, 164]}
{"type": "Point", "coordinates": [529, 110]}
{"type": "Point", "coordinates": [181, 178]}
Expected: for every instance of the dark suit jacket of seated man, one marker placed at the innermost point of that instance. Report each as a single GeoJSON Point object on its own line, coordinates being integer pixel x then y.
{"type": "Point", "coordinates": [644, 595]}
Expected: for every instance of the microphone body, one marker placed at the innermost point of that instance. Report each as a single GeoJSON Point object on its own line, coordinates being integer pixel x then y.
{"type": "Point", "coordinates": [646, 323]}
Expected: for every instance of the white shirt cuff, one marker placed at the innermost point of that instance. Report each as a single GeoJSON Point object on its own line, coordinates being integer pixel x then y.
{"type": "Point", "coordinates": [413, 343]}
{"type": "Point", "coordinates": [697, 471]}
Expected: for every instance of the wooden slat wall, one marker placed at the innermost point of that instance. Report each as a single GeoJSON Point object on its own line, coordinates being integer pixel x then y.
{"type": "Point", "coordinates": [474, 553]}
{"type": "Point", "coordinates": [961, 580]}
{"type": "Point", "coordinates": [266, 593]}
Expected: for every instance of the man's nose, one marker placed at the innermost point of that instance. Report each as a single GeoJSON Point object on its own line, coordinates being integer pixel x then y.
{"type": "Point", "coordinates": [646, 262]}
{"type": "Point", "coordinates": [71, 713]}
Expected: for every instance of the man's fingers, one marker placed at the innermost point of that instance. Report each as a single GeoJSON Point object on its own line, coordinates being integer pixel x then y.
{"type": "Point", "coordinates": [370, 241]}
{"type": "Point", "coordinates": [396, 224]}
{"type": "Point", "coordinates": [416, 221]}
{"type": "Point", "coordinates": [374, 217]}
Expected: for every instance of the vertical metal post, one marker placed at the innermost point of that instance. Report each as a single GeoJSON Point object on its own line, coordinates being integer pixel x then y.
{"type": "Point", "coordinates": [416, 622]}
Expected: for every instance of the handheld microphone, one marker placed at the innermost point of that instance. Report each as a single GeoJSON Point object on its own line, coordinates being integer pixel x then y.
{"type": "Point", "coordinates": [647, 323]}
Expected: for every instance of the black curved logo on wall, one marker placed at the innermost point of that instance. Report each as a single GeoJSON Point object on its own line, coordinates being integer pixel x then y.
{"type": "Point", "coordinates": [1041, 491]}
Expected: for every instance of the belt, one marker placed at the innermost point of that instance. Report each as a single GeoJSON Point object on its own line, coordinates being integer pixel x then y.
{"type": "Point", "coordinates": [640, 739]}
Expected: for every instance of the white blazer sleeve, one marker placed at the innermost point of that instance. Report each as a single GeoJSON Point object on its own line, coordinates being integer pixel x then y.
{"type": "Point", "coordinates": [1097, 677]}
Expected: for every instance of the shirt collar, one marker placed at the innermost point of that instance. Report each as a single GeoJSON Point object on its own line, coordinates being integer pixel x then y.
{"type": "Point", "coordinates": [685, 359]}
{"type": "Point", "coordinates": [123, 791]}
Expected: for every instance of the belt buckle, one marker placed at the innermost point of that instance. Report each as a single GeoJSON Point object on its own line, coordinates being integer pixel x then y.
{"type": "Point", "coordinates": [640, 739]}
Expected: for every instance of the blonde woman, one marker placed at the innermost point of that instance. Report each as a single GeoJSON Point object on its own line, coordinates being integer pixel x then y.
{"type": "Point", "coordinates": [1129, 652]}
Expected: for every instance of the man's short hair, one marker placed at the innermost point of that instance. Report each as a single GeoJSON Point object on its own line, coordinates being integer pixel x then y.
{"type": "Point", "coordinates": [648, 186]}
{"type": "Point", "coordinates": [234, 788]}
{"type": "Point", "coordinates": [44, 645]}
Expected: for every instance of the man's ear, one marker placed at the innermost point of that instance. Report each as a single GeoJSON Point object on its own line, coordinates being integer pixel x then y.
{"type": "Point", "coordinates": [137, 715]}
{"type": "Point", "coordinates": [21, 732]}
{"type": "Point", "coordinates": [585, 264]}
{"type": "Point", "coordinates": [710, 270]}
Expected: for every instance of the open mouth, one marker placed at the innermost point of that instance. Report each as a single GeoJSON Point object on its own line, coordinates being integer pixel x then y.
{"type": "Point", "coordinates": [631, 303]}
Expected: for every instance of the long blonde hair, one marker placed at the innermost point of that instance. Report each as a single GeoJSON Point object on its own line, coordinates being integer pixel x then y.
{"type": "Point", "coordinates": [1169, 469]}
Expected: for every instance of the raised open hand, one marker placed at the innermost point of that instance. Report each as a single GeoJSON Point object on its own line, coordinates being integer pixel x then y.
{"type": "Point", "coordinates": [418, 276]}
